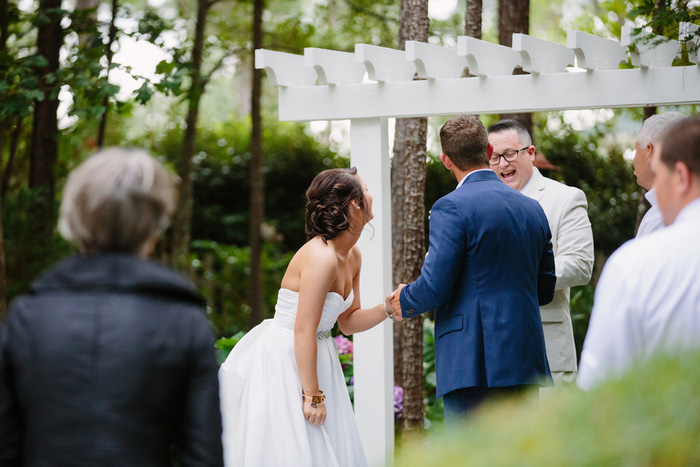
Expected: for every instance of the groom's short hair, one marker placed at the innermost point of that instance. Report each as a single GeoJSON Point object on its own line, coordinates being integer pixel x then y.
{"type": "Point", "coordinates": [464, 140]}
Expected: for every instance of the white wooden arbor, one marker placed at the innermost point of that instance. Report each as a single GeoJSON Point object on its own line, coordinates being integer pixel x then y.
{"type": "Point", "coordinates": [329, 85]}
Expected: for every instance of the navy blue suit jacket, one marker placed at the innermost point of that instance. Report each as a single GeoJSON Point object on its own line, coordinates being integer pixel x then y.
{"type": "Point", "coordinates": [489, 267]}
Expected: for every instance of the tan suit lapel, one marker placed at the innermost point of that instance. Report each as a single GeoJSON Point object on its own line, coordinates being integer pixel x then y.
{"type": "Point", "coordinates": [535, 186]}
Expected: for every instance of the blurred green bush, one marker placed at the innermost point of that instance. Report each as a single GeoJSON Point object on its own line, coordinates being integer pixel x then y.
{"type": "Point", "coordinates": [649, 417]}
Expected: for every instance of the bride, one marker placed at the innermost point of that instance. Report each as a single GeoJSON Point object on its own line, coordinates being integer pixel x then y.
{"type": "Point", "coordinates": [283, 396]}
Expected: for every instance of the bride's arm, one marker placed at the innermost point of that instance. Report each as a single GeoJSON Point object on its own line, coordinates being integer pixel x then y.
{"type": "Point", "coordinates": [355, 319]}
{"type": "Point", "coordinates": [317, 276]}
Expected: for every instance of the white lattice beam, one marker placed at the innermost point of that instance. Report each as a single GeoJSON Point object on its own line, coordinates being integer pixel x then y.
{"type": "Point", "coordinates": [284, 69]}
{"type": "Point", "coordinates": [435, 62]}
{"type": "Point", "coordinates": [650, 50]}
{"type": "Point", "coordinates": [334, 67]}
{"type": "Point", "coordinates": [486, 58]}
{"type": "Point", "coordinates": [595, 53]}
{"type": "Point", "coordinates": [385, 64]}
{"type": "Point", "coordinates": [496, 94]}
{"type": "Point", "coordinates": [540, 56]}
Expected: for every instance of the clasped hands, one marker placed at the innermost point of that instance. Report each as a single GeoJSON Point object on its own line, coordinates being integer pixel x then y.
{"type": "Point", "coordinates": [392, 302]}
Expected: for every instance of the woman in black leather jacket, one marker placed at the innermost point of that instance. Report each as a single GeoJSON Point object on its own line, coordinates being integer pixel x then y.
{"type": "Point", "coordinates": [109, 360]}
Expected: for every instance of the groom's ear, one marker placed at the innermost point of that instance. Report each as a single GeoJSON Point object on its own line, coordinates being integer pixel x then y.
{"type": "Point", "coordinates": [445, 159]}
{"type": "Point", "coordinates": [489, 151]}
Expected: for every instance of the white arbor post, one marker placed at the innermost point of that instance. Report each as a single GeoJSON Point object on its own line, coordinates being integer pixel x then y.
{"type": "Point", "coordinates": [373, 349]}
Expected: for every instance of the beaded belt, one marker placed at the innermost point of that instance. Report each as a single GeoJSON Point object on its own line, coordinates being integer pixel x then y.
{"type": "Point", "coordinates": [323, 334]}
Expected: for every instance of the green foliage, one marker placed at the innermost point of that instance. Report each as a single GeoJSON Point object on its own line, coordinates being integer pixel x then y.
{"type": "Point", "coordinates": [222, 187]}
{"type": "Point", "coordinates": [650, 417]}
{"type": "Point", "coordinates": [222, 272]}
{"type": "Point", "coordinates": [602, 173]}
{"type": "Point", "coordinates": [225, 344]}
{"type": "Point", "coordinates": [434, 412]}
{"type": "Point", "coordinates": [21, 269]}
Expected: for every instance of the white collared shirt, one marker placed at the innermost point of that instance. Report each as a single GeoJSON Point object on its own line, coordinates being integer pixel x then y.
{"type": "Point", "coordinates": [652, 220]}
{"type": "Point", "coordinates": [647, 300]}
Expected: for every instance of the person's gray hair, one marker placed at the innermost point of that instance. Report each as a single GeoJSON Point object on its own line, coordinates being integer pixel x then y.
{"type": "Point", "coordinates": [654, 127]}
{"type": "Point", "coordinates": [117, 200]}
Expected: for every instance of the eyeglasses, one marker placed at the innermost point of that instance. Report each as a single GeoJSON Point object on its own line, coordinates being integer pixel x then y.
{"type": "Point", "coordinates": [510, 155]}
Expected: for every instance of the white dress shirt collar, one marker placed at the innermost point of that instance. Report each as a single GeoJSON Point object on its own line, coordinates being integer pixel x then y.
{"type": "Point", "coordinates": [466, 176]}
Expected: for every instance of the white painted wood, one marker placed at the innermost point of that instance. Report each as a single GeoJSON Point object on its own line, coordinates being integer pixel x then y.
{"type": "Point", "coordinates": [486, 58]}
{"type": "Point", "coordinates": [373, 349]}
{"type": "Point", "coordinates": [384, 64]}
{"type": "Point", "coordinates": [284, 69]}
{"type": "Point", "coordinates": [650, 50]}
{"type": "Point", "coordinates": [435, 62]}
{"type": "Point", "coordinates": [595, 53]}
{"type": "Point", "coordinates": [540, 56]}
{"type": "Point", "coordinates": [496, 94]}
{"type": "Point", "coordinates": [334, 67]}
{"type": "Point", "coordinates": [691, 33]}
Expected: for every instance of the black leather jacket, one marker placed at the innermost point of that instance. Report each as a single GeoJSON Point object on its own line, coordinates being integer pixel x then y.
{"type": "Point", "coordinates": [109, 361]}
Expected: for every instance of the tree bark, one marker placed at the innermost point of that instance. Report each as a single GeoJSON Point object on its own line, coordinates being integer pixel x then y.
{"type": "Point", "coordinates": [514, 17]}
{"type": "Point", "coordinates": [408, 219]}
{"type": "Point", "coordinates": [472, 22]}
{"type": "Point", "coordinates": [44, 139]}
{"type": "Point", "coordinates": [3, 278]}
{"type": "Point", "coordinates": [109, 54]}
{"type": "Point", "coordinates": [257, 197]}
{"type": "Point", "coordinates": [182, 219]}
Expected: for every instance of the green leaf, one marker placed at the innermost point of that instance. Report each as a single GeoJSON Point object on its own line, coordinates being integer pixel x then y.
{"type": "Point", "coordinates": [144, 93]}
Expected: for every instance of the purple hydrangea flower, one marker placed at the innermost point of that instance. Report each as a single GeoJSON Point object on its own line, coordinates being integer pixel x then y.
{"type": "Point", "coordinates": [352, 381]}
{"type": "Point", "coordinates": [344, 345]}
{"type": "Point", "coordinates": [398, 401]}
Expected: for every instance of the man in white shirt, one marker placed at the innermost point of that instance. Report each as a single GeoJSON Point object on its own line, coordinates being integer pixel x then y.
{"type": "Point", "coordinates": [572, 237]}
{"type": "Point", "coordinates": [648, 296]}
{"type": "Point", "coordinates": [648, 137]}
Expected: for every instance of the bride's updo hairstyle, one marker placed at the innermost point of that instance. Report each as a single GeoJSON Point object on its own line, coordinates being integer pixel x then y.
{"type": "Point", "coordinates": [328, 202]}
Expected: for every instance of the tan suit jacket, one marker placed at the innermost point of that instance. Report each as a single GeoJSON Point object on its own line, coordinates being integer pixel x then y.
{"type": "Point", "coordinates": [572, 241]}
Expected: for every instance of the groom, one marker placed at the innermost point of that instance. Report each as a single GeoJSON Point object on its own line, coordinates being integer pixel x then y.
{"type": "Point", "coordinates": [489, 267]}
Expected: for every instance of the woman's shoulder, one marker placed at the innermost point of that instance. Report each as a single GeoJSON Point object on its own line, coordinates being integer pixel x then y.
{"type": "Point", "coordinates": [317, 253]}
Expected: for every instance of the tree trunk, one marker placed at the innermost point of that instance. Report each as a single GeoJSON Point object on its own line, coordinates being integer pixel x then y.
{"type": "Point", "coordinates": [408, 218]}
{"type": "Point", "coordinates": [514, 17]}
{"type": "Point", "coordinates": [183, 214]}
{"type": "Point", "coordinates": [44, 140]}
{"type": "Point", "coordinates": [257, 197]}
{"type": "Point", "coordinates": [3, 278]}
{"type": "Point", "coordinates": [109, 54]}
{"type": "Point", "coordinates": [472, 22]}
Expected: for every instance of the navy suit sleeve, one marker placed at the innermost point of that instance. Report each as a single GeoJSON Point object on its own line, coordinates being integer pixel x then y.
{"type": "Point", "coordinates": [546, 277]}
{"type": "Point", "coordinates": [442, 264]}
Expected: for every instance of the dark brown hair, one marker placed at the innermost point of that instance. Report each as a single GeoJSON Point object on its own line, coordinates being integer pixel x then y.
{"type": "Point", "coordinates": [328, 202]}
{"type": "Point", "coordinates": [681, 143]}
{"type": "Point", "coordinates": [464, 140]}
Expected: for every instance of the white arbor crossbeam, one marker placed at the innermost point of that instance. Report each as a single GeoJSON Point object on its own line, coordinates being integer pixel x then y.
{"type": "Point", "coordinates": [338, 91]}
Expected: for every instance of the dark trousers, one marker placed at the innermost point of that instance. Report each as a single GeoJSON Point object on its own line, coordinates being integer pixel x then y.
{"type": "Point", "coordinates": [460, 403]}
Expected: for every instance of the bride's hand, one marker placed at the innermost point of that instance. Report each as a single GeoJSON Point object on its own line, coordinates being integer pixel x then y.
{"type": "Point", "coordinates": [315, 415]}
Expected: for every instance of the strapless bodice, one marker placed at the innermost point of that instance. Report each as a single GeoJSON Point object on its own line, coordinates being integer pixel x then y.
{"type": "Point", "coordinates": [288, 301]}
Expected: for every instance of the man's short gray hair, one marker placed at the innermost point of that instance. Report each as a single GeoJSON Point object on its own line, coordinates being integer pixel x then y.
{"type": "Point", "coordinates": [654, 127]}
{"type": "Point", "coordinates": [117, 200]}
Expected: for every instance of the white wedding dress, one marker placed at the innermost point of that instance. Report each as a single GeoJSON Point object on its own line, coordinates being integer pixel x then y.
{"type": "Point", "coordinates": [261, 402]}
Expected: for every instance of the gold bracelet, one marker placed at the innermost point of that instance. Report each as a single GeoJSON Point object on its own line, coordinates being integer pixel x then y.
{"type": "Point", "coordinates": [315, 400]}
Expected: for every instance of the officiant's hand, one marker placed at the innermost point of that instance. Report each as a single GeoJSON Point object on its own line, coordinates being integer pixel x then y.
{"type": "Point", "coordinates": [396, 302]}
{"type": "Point", "coordinates": [315, 415]}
